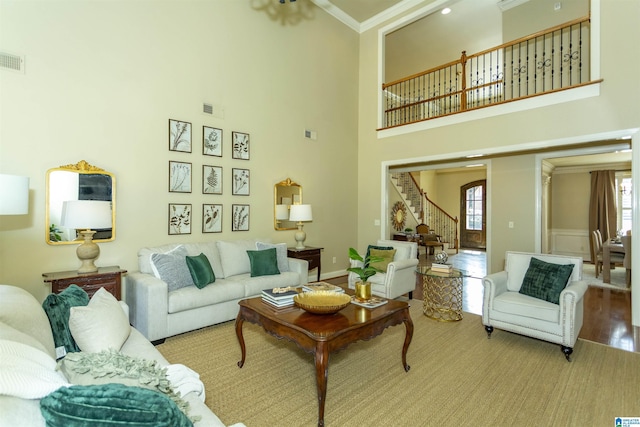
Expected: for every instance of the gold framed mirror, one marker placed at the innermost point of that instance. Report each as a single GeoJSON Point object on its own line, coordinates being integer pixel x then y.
{"type": "Point", "coordinates": [398, 216]}
{"type": "Point", "coordinates": [80, 181]}
{"type": "Point", "coordinates": [286, 193]}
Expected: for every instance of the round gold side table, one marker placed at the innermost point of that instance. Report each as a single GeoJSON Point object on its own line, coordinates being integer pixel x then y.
{"type": "Point", "coordinates": [442, 293]}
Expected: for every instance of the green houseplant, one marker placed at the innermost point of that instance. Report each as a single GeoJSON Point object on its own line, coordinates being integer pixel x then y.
{"type": "Point", "coordinates": [363, 287]}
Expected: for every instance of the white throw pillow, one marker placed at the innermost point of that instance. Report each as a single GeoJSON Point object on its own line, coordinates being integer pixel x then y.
{"type": "Point", "coordinates": [233, 256]}
{"type": "Point", "coordinates": [27, 372]}
{"type": "Point", "coordinates": [281, 253]}
{"type": "Point", "coordinates": [100, 325]}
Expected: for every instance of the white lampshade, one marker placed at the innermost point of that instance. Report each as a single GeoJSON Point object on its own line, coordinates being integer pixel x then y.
{"type": "Point", "coordinates": [14, 195]}
{"type": "Point", "coordinates": [282, 212]}
{"type": "Point", "coordinates": [86, 214]}
{"type": "Point", "coordinates": [300, 213]}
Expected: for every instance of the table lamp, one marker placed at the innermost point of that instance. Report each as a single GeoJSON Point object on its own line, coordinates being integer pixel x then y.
{"type": "Point", "coordinates": [300, 213]}
{"type": "Point", "coordinates": [14, 195]}
{"type": "Point", "coordinates": [86, 215]}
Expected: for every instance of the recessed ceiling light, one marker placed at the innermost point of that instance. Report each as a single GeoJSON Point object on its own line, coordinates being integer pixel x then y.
{"type": "Point", "coordinates": [471, 156]}
{"type": "Point", "coordinates": [477, 165]}
{"type": "Point", "coordinates": [446, 11]}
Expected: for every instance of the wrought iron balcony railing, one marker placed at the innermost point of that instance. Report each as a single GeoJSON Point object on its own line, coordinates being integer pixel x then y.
{"type": "Point", "coordinates": [548, 61]}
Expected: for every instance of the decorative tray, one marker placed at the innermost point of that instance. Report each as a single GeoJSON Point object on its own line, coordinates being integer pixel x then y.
{"type": "Point", "coordinates": [322, 302]}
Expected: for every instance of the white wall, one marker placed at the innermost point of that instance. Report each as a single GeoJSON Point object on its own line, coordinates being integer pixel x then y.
{"type": "Point", "coordinates": [103, 78]}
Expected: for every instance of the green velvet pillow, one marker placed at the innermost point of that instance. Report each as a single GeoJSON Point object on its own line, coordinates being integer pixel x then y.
{"type": "Point", "coordinates": [381, 248]}
{"type": "Point", "coordinates": [108, 405]}
{"type": "Point", "coordinates": [544, 280]}
{"type": "Point", "coordinates": [200, 269]}
{"type": "Point", "coordinates": [386, 255]}
{"type": "Point", "coordinates": [57, 307]}
{"type": "Point", "coordinates": [263, 263]}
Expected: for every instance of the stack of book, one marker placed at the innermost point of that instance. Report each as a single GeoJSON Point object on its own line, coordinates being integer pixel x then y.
{"type": "Point", "coordinates": [441, 268]}
{"type": "Point", "coordinates": [277, 298]}
{"type": "Point", "coordinates": [321, 286]}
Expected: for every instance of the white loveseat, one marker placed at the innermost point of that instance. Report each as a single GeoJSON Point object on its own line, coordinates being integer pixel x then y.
{"type": "Point", "coordinates": [24, 327]}
{"type": "Point", "coordinates": [400, 276]}
{"type": "Point", "coordinates": [505, 307]}
{"type": "Point", "coordinates": [159, 312]}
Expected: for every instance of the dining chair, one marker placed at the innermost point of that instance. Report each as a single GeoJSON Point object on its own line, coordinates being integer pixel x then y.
{"type": "Point", "coordinates": [596, 243]}
{"type": "Point", "coordinates": [626, 263]}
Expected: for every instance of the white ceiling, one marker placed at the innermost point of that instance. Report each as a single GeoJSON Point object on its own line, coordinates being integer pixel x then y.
{"type": "Point", "coordinates": [361, 10]}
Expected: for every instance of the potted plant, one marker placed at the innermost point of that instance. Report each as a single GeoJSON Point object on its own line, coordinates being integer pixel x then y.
{"type": "Point", "coordinates": [363, 287]}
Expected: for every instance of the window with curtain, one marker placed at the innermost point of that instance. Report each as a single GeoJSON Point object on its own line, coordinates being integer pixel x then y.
{"type": "Point", "coordinates": [623, 200]}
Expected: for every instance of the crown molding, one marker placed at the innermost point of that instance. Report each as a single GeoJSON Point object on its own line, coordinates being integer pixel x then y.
{"type": "Point", "coordinates": [358, 27]}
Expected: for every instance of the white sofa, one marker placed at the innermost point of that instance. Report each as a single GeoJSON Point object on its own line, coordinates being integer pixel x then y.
{"type": "Point", "coordinates": [505, 307]}
{"type": "Point", "coordinates": [24, 323]}
{"type": "Point", "coordinates": [159, 312]}
{"type": "Point", "coordinates": [400, 277]}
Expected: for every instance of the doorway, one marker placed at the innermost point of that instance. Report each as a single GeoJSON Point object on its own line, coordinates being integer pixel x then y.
{"type": "Point", "coordinates": [473, 214]}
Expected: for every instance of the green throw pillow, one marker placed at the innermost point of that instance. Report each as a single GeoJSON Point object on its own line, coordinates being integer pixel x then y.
{"type": "Point", "coordinates": [201, 271]}
{"type": "Point", "coordinates": [263, 263]}
{"type": "Point", "coordinates": [108, 405]}
{"type": "Point", "coordinates": [544, 280]}
{"type": "Point", "coordinates": [386, 255]}
{"type": "Point", "coordinates": [57, 307]}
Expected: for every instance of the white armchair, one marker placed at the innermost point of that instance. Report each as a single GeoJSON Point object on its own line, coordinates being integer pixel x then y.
{"type": "Point", "coordinates": [504, 307]}
{"type": "Point", "coordinates": [400, 277]}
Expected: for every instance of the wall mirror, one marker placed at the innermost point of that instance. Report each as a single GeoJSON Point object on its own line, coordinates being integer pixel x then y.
{"type": "Point", "coordinates": [81, 181]}
{"type": "Point", "coordinates": [286, 193]}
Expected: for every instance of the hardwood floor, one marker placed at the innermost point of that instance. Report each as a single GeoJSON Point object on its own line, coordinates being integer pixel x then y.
{"type": "Point", "coordinates": [607, 312]}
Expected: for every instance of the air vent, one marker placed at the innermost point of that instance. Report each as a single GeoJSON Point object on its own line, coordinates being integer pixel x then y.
{"type": "Point", "coordinates": [11, 62]}
{"type": "Point", "coordinates": [207, 108]}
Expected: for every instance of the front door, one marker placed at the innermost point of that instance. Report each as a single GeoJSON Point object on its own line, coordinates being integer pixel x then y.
{"type": "Point", "coordinates": [473, 212]}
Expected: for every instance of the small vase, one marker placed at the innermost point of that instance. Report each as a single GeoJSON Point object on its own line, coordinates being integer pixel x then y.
{"type": "Point", "coordinates": [363, 291]}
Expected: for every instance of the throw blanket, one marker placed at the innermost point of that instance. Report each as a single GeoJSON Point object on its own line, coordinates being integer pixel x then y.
{"type": "Point", "coordinates": [27, 372]}
{"type": "Point", "coordinates": [185, 380]}
{"type": "Point", "coordinates": [112, 366]}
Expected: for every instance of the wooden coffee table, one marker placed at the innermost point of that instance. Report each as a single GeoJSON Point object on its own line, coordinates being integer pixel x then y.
{"type": "Point", "coordinates": [324, 334]}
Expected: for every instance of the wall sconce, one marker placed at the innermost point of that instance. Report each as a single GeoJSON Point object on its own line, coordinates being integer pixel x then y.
{"type": "Point", "coordinates": [300, 213]}
{"type": "Point", "coordinates": [87, 215]}
{"type": "Point", "coordinates": [14, 195]}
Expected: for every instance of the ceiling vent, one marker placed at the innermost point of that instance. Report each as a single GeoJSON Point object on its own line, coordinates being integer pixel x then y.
{"type": "Point", "coordinates": [11, 62]}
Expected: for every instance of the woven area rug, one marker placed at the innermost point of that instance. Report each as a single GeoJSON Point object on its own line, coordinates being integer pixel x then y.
{"type": "Point", "coordinates": [458, 377]}
{"type": "Point", "coordinates": [618, 278]}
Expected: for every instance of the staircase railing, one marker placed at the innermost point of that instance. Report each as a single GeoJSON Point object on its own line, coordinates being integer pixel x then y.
{"type": "Point", "coordinates": [438, 220]}
{"type": "Point", "coordinates": [548, 61]}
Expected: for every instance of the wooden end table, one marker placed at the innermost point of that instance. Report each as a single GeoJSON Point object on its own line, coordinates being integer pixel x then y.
{"type": "Point", "coordinates": [109, 278]}
{"type": "Point", "coordinates": [324, 334]}
{"type": "Point", "coordinates": [311, 255]}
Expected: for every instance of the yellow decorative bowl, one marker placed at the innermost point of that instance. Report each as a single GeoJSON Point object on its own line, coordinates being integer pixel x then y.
{"type": "Point", "coordinates": [322, 302]}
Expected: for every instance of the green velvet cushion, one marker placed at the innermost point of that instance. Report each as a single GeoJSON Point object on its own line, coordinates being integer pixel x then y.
{"type": "Point", "coordinates": [263, 263]}
{"type": "Point", "coordinates": [57, 307]}
{"type": "Point", "coordinates": [544, 280]}
{"type": "Point", "coordinates": [200, 269]}
{"type": "Point", "coordinates": [109, 405]}
{"type": "Point", "coordinates": [386, 255]}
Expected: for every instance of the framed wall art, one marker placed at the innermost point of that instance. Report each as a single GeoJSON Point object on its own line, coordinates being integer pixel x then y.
{"type": "Point", "coordinates": [179, 177]}
{"type": "Point", "coordinates": [211, 141]}
{"type": "Point", "coordinates": [179, 136]}
{"type": "Point", "coordinates": [179, 218]}
{"type": "Point", "coordinates": [240, 182]}
{"type": "Point", "coordinates": [211, 218]}
{"type": "Point", "coordinates": [211, 179]}
{"type": "Point", "coordinates": [240, 145]}
{"type": "Point", "coordinates": [240, 217]}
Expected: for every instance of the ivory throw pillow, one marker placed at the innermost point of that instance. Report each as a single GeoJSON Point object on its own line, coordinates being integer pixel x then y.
{"type": "Point", "coordinates": [100, 325]}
